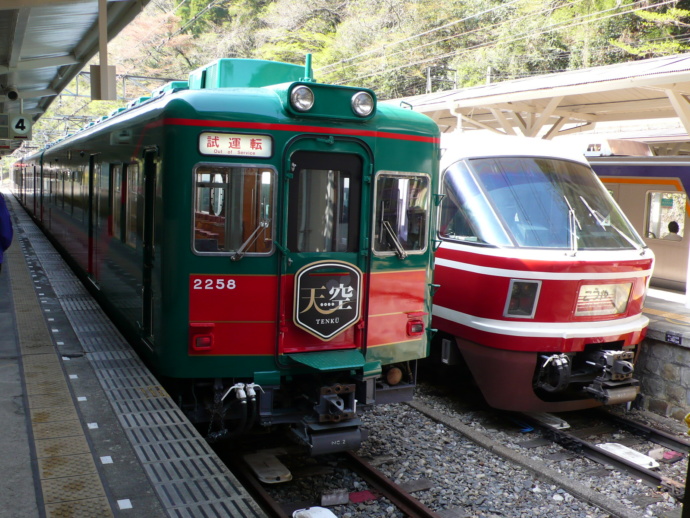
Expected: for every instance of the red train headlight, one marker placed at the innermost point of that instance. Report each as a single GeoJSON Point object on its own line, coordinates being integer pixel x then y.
{"type": "Point", "coordinates": [522, 299]}
{"type": "Point", "coordinates": [200, 337]}
{"type": "Point", "coordinates": [603, 299]}
{"type": "Point", "coordinates": [415, 323]}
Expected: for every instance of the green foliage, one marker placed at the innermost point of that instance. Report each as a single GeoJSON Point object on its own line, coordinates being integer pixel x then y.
{"type": "Point", "coordinates": [663, 33]}
{"type": "Point", "coordinates": [397, 47]}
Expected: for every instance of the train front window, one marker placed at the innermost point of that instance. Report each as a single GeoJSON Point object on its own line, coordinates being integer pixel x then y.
{"type": "Point", "coordinates": [402, 213]}
{"type": "Point", "coordinates": [233, 210]}
{"type": "Point", "coordinates": [465, 212]}
{"type": "Point", "coordinates": [549, 203]}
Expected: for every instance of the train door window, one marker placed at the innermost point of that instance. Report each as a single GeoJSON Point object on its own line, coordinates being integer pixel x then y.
{"type": "Point", "coordinates": [69, 192]}
{"type": "Point", "coordinates": [77, 195]}
{"type": "Point", "coordinates": [132, 205]}
{"type": "Point", "coordinates": [61, 189]}
{"type": "Point", "coordinates": [116, 201]}
{"type": "Point", "coordinates": [233, 210]}
{"type": "Point", "coordinates": [54, 185]}
{"type": "Point", "coordinates": [666, 215]}
{"type": "Point", "coordinates": [402, 212]}
{"type": "Point", "coordinates": [324, 214]}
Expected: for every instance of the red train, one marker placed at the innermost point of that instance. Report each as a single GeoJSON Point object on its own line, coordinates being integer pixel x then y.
{"type": "Point", "coordinates": [542, 278]}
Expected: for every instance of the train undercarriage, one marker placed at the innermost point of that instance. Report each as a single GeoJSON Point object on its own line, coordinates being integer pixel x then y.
{"type": "Point", "coordinates": [322, 416]}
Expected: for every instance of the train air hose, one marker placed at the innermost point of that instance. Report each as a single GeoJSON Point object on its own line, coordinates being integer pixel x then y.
{"type": "Point", "coordinates": [554, 374]}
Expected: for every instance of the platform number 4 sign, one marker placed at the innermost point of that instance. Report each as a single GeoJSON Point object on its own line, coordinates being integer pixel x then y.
{"type": "Point", "coordinates": [20, 126]}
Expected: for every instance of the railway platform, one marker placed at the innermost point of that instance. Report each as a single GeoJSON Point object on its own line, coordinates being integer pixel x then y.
{"type": "Point", "coordinates": [87, 430]}
{"type": "Point", "coordinates": [669, 316]}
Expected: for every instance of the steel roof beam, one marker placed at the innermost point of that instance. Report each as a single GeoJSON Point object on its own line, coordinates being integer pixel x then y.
{"type": "Point", "coordinates": [681, 107]}
{"type": "Point", "coordinates": [34, 64]}
{"type": "Point", "coordinates": [503, 121]}
{"type": "Point", "coordinates": [18, 31]}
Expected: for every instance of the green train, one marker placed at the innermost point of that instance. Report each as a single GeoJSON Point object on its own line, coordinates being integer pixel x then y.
{"type": "Point", "coordinates": [262, 239]}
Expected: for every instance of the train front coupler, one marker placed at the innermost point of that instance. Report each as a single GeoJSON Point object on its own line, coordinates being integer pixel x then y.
{"type": "Point", "coordinates": [334, 425]}
{"type": "Point", "coordinates": [615, 383]}
{"type": "Point", "coordinates": [336, 403]}
{"type": "Point", "coordinates": [605, 374]}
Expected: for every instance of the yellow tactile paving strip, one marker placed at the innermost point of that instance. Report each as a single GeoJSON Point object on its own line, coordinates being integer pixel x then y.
{"type": "Point", "coordinates": [69, 479]}
{"type": "Point", "coordinates": [667, 315]}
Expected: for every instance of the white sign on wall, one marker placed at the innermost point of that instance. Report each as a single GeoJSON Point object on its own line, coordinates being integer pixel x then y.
{"type": "Point", "coordinates": [15, 125]}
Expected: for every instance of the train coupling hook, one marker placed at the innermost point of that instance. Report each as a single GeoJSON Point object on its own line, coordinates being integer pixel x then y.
{"type": "Point", "coordinates": [336, 403]}
{"type": "Point", "coordinates": [616, 365]}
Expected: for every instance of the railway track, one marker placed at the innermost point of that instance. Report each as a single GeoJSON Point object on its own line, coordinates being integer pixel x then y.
{"type": "Point", "coordinates": [590, 450]}
{"type": "Point", "coordinates": [379, 486]}
{"type": "Point", "coordinates": [458, 461]}
{"type": "Point", "coordinates": [596, 426]}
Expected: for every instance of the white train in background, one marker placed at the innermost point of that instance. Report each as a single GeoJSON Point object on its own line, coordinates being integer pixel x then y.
{"type": "Point", "coordinates": [652, 192]}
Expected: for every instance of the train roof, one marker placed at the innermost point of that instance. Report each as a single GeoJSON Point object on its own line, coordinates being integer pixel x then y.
{"type": "Point", "coordinates": [258, 81]}
{"type": "Point", "coordinates": [457, 146]}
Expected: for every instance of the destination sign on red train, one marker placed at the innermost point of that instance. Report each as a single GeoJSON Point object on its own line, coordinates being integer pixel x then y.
{"type": "Point", "coordinates": [235, 144]}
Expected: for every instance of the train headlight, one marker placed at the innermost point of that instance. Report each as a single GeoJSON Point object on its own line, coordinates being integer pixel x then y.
{"type": "Point", "coordinates": [602, 299]}
{"type": "Point", "coordinates": [302, 98]}
{"type": "Point", "coordinates": [362, 104]}
{"type": "Point", "coordinates": [522, 299]}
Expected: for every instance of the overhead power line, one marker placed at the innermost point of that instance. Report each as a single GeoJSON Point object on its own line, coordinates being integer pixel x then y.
{"type": "Point", "coordinates": [445, 26]}
{"type": "Point", "coordinates": [491, 27]}
{"type": "Point", "coordinates": [550, 29]}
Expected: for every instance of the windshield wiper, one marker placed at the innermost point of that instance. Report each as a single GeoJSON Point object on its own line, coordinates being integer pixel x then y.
{"type": "Point", "coordinates": [263, 224]}
{"type": "Point", "coordinates": [600, 219]}
{"type": "Point", "coordinates": [602, 222]}
{"type": "Point", "coordinates": [396, 242]}
{"type": "Point", "coordinates": [573, 224]}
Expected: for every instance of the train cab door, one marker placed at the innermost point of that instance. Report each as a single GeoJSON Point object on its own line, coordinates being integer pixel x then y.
{"type": "Point", "coordinates": [324, 244]}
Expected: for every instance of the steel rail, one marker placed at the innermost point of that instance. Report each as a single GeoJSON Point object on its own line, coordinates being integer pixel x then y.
{"type": "Point", "coordinates": [593, 452]}
{"type": "Point", "coordinates": [647, 432]}
{"type": "Point", "coordinates": [251, 483]}
{"type": "Point", "coordinates": [408, 504]}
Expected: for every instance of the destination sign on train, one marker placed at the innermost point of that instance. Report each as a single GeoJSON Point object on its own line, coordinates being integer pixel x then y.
{"type": "Point", "coordinates": [231, 144]}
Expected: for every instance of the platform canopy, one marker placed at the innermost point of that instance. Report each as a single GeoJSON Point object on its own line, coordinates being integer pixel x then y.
{"type": "Point", "coordinates": [557, 104]}
{"type": "Point", "coordinates": [44, 44]}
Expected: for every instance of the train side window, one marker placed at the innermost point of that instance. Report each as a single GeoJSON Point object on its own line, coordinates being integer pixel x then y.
{"type": "Point", "coordinates": [402, 212]}
{"type": "Point", "coordinates": [666, 215]}
{"type": "Point", "coordinates": [233, 210]}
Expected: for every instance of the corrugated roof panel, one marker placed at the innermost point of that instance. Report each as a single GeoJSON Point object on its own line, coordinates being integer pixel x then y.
{"type": "Point", "coordinates": [57, 30]}
{"type": "Point", "coordinates": [33, 30]}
